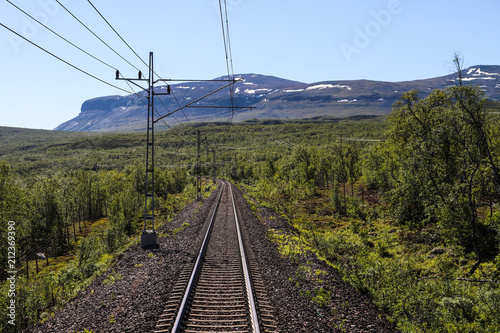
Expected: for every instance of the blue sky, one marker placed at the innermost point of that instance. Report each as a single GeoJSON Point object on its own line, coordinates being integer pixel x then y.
{"type": "Point", "coordinates": [307, 41]}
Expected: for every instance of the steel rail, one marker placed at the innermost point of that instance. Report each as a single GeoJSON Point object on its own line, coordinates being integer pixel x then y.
{"type": "Point", "coordinates": [248, 284]}
{"type": "Point", "coordinates": [182, 310]}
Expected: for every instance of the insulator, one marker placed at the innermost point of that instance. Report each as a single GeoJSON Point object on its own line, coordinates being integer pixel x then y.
{"type": "Point", "coordinates": [168, 89]}
{"type": "Point", "coordinates": [117, 74]}
{"type": "Point", "coordinates": [140, 75]}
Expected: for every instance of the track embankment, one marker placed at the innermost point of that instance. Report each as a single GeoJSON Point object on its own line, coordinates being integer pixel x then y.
{"type": "Point", "coordinates": [150, 279]}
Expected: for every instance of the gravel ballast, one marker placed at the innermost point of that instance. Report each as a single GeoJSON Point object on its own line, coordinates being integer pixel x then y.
{"type": "Point", "coordinates": [135, 302]}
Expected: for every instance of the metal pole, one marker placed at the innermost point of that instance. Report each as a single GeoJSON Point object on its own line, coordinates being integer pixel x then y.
{"type": "Point", "coordinates": [146, 188]}
{"type": "Point", "coordinates": [198, 167]}
{"type": "Point", "coordinates": [148, 237]}
{"type": "Point", "coordinates": [152, 99]}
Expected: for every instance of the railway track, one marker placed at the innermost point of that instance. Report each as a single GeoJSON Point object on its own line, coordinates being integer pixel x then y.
{"type": "Point", "coordinates": [222, 290]}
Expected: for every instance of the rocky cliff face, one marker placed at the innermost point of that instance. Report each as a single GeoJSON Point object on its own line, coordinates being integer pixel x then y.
{"type": "Point", "coordinates": [272, 97]}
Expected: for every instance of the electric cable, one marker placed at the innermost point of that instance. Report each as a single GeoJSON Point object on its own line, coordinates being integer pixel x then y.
{"type": "Point", "coordinates": [58, 35]}
{"type": "Point", "coordinates": [87, 53]}
{"type": "Point", "coordinates": [228, 38]}
{"type": "Point", "coordinates": [64, 61]}
{"type": "Point", "coordinates": [226, 48]}
{"type": "Point", "coordinates": [228, 64]}
{"type": "Point", "coordinates": [142, 60]}
{"type": "Point", "coordinates": [228, 53]}
{"type": "Point", "coordinates": [93, 33]}
{"type": "Point", "coordinates": [116, 32]}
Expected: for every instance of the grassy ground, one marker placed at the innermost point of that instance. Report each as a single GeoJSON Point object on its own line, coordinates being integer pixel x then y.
{"type": "Point", "coordinates": [415, 278]}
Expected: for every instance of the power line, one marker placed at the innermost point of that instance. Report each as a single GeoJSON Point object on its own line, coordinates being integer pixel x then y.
{"type": "Point", "coordinates": [228, 38]}
{"type": "Point", "coordinates": [227, 51]}
{"type": "Point", "coordinates": [93, 33]}
{"type": "Point", "coordinates": [116, 32]}
{"type": "Point", "coordinates": [128, 45]}
{"type": "Point", "coordinates": [72, 44]}
{"type": "Point", "coordinates": [58, 35]}
{"type": "Point", "coordinates": [173, 94]}
{"type": "Point", "coordinates": [60, 59]}
{"type": "Point", "coordinates": [225, 37]}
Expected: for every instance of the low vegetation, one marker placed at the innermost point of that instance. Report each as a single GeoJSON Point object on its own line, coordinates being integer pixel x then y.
{"type": "Point", "coordinates": [107, 205]}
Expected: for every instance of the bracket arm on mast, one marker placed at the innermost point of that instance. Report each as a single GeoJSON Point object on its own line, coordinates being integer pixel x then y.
{"type": "Point", "coordinates": [196, 100]}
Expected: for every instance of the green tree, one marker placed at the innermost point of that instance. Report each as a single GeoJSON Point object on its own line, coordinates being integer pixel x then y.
{"type": "Point", "coordinates": [440, 161]}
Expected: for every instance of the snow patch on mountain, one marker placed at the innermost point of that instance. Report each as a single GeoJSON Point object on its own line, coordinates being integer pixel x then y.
{"type": "Point", "coordinates": [471, 71]}
{"type": "Point", "coordinates": [478, 78]}
{"type": "Point", "coordinates": [250, 91]}
{"type": "Point", "coordinates": [326, 86]}
{"type": "Point", "coordinates": [480, 72]}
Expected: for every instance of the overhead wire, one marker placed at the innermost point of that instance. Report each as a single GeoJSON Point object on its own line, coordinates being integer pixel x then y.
{"type": "Point", "coordinates": [227, 48]}
{"type": "Point", "coordinates": [229, 63]}
{"type": "Point", "coordinates": [58, 35]}
{"type": "Point", "coordinates": [227, 45]}
{"type": "Point", "coordinates": [229, 66]}
{"type": "Point", "coordinates": [142, 60]}
{"type": "Point", "coordinates": [116, 32]}
{"type": "Point", "coordinates": [137, 55]}
{"type": "Point", "coordinates": [93, 33]}
{"type": "Point", "coordinates": [82, 50]}
{"type": "Point", "coordinates": [64, 61]}
{"type": "Point", "coordinates": [85, 52]}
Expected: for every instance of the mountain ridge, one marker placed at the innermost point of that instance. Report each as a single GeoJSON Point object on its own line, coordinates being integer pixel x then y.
{"type": "Point", "coordinates": [271, 98]}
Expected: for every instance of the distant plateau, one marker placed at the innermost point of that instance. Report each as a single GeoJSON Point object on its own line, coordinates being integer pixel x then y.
{"type": "Point", "coordinates": [271, 97]}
